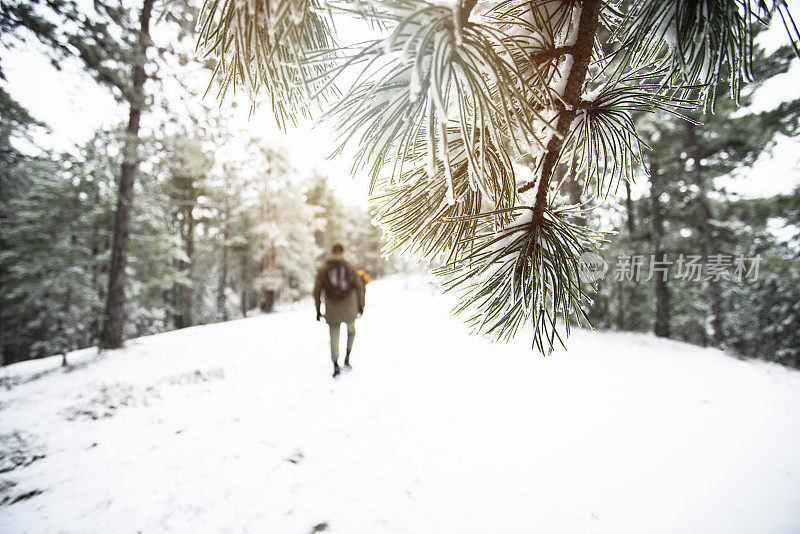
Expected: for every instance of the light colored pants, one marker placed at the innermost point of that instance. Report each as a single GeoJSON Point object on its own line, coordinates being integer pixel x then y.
{"type": "Point", "coordinates": [351, 334]}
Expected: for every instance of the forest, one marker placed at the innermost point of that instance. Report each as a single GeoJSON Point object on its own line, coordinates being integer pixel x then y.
{"type": "Point", "coordinates": [175, 217]}
{"type": "Point", "coordinates": [694, 261]}
{"type": "Point", "coordinates": [216, 231]}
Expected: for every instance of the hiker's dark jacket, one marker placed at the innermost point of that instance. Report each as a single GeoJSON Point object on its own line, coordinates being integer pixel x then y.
{"type": "Point", "coordinates": [345, 309]}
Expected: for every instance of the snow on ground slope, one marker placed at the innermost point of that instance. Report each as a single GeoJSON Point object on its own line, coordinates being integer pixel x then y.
{"type": "Point", "coordinates": [238, 427]}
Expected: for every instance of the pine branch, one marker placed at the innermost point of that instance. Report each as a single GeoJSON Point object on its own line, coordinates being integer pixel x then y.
{"type": "Point", "coordinates": [263, 45]}
{"type": "Point", "coordinates": [442, 106]}
{"type": "Point", "coordinates": [582, 53]}
{"type": "Point", "coordinates": [466, 8]}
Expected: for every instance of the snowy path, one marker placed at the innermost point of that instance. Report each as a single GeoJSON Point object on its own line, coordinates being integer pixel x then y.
{"type": "Point", "coordinates": [432, 432]}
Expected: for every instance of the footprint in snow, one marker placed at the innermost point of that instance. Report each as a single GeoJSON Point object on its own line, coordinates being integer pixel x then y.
{"type": "Point", "coordinates": [295, 459]}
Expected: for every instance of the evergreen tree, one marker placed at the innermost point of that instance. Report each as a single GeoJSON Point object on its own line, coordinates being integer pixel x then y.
{"type": "Point", "coordinates": [204, 226]}
{"type": "Point", "coordinates": [45, 254]}
{"type": "Point", "coordinates": [113, 43]}
{"type": "Point", "coordinates": [50, 299]}
{"type": "Point", "coordinates": [453, 93]}
{"type": "Point", "coordinates": [133, 90]}
{"type": "Point", "coordinates": [693, 206]}
{"type": "Point", "coordinates": [223, 199]}
{"type": "Point", "coordinates": [349, 225]}
{"type": "Point", "coordinates": [15, 121]}
{"type": "Point", "coordinates": [329, 217]}
{"type": "Point", "coordinates": [693, 156]}
{"type": "Point", "coordinates": [188, 167]}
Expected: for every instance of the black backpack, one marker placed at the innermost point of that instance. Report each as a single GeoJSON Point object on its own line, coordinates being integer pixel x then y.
{"type": "Point", "coordinates": [337, 280]}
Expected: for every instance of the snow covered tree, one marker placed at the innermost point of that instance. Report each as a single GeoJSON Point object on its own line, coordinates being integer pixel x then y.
{"type": "Point", "coordinates": [350, 225]}
{"type": "Point", "coordinates": [695, 152]}
{"type": "Point", "coordinates": [55, 212]}
{"type": "Point", "coordinates": [264, 230]}
{"type": "Point", "coordinates": [764, 316]}
{"type": "Point", "coordinates": [113, 43]}
{"type": "Point", "coordinates": [188, 165]}
{"type": "Point", "coordinates": [223, 200]}
{"type": "Point", "coordinates": [284, 226]}
{"type": "Point", "coordinates": [453, 95]}
{"type": "Point", "coordinates": [688, 216]}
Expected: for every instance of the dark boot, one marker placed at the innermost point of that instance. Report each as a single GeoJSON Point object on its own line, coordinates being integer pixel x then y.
{"type": "Point", "coordinates": [347, 361]}
{"type": "Point", "coordinates": [335, 369]}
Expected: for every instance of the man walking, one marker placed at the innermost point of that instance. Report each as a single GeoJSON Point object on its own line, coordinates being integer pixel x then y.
{"type": "Point", "coordinates": [344, 301]}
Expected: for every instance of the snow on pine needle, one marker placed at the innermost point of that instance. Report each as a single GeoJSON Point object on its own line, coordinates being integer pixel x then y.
{"type": "Point", "coordinates": [415, 210]}
{"type": "Point", "coordinates": [603, 143]}
{"type": "Point", "coordinates": [454, 94]}
{"type": "Point", "coordinates": [519, 273]}
{"type": "Point", "coordinates": [426, 76]}
{"type": "Point", "coordinates": [698, 41]}
{"type": "Point", "coordinates": [262, 45]}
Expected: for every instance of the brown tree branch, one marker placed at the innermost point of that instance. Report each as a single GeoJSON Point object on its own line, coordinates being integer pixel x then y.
{"type": "Point", "coordinates": [581, 53]}
{"type": "Point", "coordinates": [548, 55]}
{"type": "Point", "coordinates": [466, 8]}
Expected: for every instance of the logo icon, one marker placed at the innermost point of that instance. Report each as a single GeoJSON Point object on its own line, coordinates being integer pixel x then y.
{"type": "Point", "coordinates": [591, 267]}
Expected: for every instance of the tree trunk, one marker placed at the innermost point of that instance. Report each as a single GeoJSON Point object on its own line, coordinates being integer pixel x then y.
{"type": "Point", "coordinates": [621, 321]}
{"type": "Point", "coordinates": [581, 57]}
{"type": "Point", "coordinates": [67, 304]}
{"type": "Point", "coordinates": [715, 318]}
{"type": "Point", "coordinates": [661, 325]}
{"type": "Point", "coordinates": [2, 341]}
{"type": "Point", "coordinates": [97, 286]}
{"type": "Point", "coordinates": [714, 289]}
{"type": "Point", "coordinates": [267, 300]}
{"type": "Point", "coordinates": [245, 277]}
{"type": "Point", "coordinates": [222, 305]}
{"type": "Point", "coordinates": [99, 275]}
{"type": "Point", "coordinates": [187, 302]}
{"type": "Point", "coordinates": [112, 335]}
{"type": "Point", "coordinates": [629, 208]}
{"type": "Point", "coordinates": [175, 298]}
{"type": "Point", "coordinates": [267, 297]}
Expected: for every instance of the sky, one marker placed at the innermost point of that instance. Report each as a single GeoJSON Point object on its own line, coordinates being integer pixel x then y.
{"type": "Point", "coordinates": [74, 107]}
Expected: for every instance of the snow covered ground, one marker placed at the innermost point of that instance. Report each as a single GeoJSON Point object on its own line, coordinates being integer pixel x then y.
{"type": "Point", "coordinates": [239, 427]}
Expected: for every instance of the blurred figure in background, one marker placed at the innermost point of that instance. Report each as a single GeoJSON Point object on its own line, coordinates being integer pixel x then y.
{"type": "Point", "coordinates": [344, 301]}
